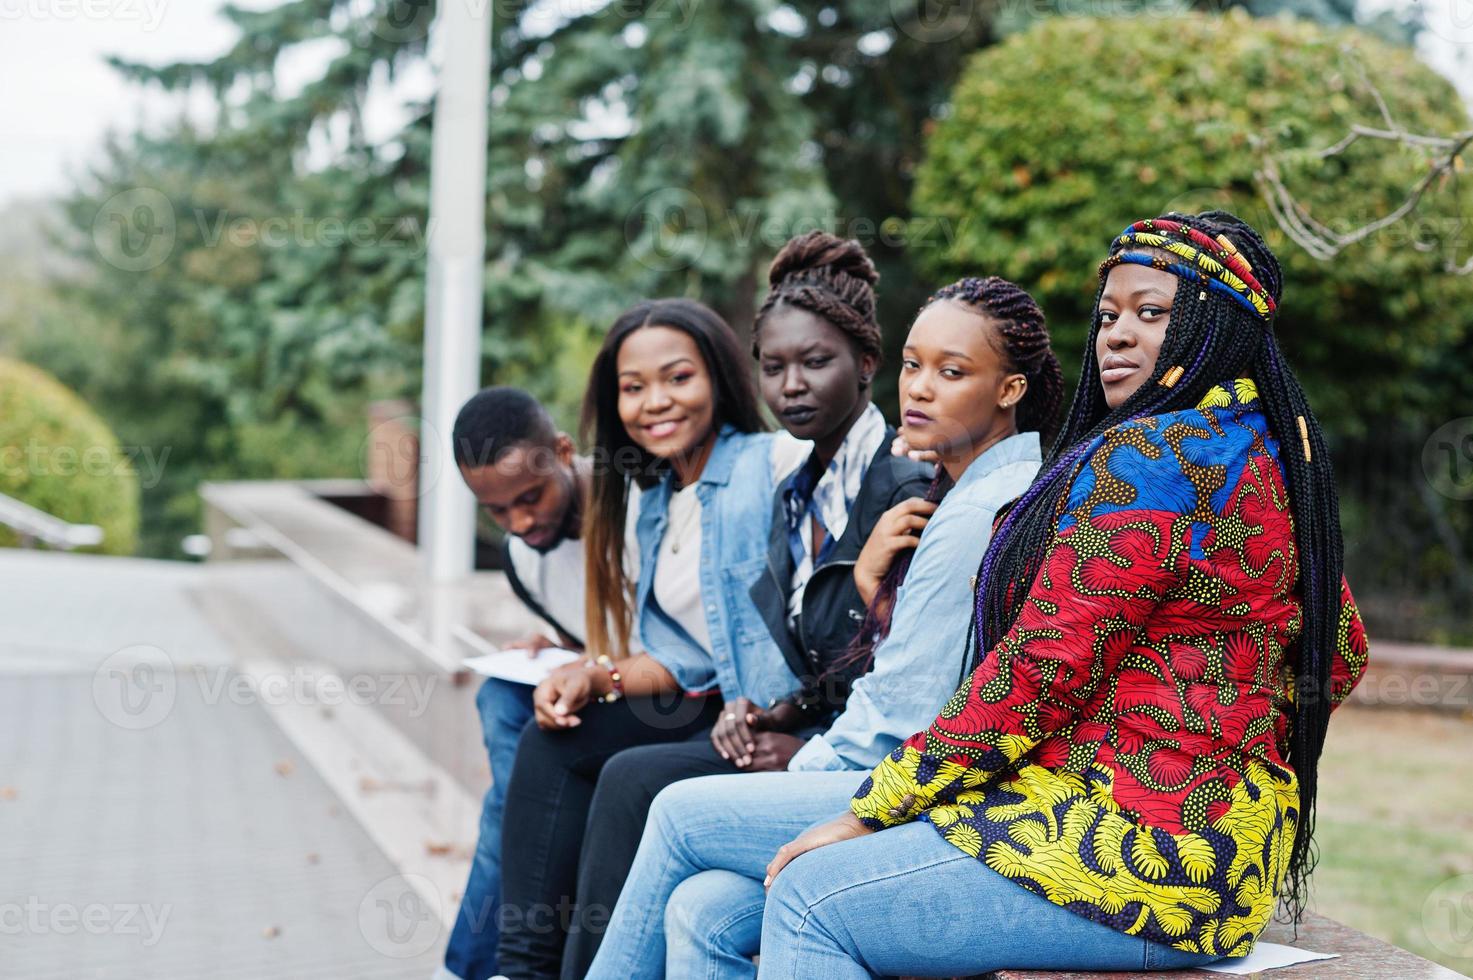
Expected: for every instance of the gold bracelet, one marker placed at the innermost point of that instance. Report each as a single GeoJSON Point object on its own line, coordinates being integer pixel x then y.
{"type": "Point", "coordinates": [603, 660]}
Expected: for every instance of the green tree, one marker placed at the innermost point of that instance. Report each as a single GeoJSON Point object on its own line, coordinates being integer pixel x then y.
{"type": "Point", "coordinates": [1182, 119]}
{"type": "Point", "coordinates": [59, 457]}
{"type": "Point", "coordinates": [636, 147]}
{"type": "Point", "coordinates": [1039, 184]}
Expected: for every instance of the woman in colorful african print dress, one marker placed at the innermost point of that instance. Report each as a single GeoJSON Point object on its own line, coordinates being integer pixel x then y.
{"type": "Point", "coordinates": [1164, 630]}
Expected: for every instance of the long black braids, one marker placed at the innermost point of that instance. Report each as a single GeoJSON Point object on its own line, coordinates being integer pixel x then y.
{"type": "Point", "coordinates": [1021, 339]}
{"type": "Point", "coordinates": [1211, 338]}
{"type": "Point", "coordinates": [830, 277]}
{"type": "Point", "coordinates": [1019, 333]}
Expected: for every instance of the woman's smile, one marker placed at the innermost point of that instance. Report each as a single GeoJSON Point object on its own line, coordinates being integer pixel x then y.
{"type": "Point", "coordinates": [663, 429]}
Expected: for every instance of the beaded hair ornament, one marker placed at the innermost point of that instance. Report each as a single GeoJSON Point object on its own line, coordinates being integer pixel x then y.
{"type": "Point", "coordinates": [1214, 262]}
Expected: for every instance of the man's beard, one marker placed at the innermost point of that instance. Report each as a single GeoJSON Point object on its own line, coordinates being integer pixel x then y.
{"type": "Point", "coordinates": [570, 527]}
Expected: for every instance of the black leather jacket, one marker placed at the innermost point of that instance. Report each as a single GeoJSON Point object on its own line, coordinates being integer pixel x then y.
{"type": "Point", "coordinates": [832, 610]}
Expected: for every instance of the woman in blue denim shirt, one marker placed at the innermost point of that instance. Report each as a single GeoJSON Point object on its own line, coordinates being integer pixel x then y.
{"type": "Point", "coordinates": [817, 341]}
{"type": "Point", "coordinates": [979, 385]}
{"type": "Point", "coordinates": [672, 410]}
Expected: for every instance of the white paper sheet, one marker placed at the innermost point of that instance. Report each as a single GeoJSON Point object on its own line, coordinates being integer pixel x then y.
{"type": "Point", "coordinates": [1266, 956]}
{"type": "Point", "coordinates": [517, 667]}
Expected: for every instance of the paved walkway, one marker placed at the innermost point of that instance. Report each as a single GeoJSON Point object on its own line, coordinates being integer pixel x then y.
{"type": "Point", "coordinates": [154, 820]}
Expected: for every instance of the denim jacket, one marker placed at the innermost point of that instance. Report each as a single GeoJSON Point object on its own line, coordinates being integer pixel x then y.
{"type": "Point", "coordinates": [927, 646]}
{"type": "Point", "coordinates": [735, 490]}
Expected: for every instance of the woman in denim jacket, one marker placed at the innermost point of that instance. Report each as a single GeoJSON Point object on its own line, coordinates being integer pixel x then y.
{"type": "Point", "coordinates": [674, 414]}
{"type": "Point", "coordinates": [979, 388]}
{"type": "Point", "coordinates": [817, 341]}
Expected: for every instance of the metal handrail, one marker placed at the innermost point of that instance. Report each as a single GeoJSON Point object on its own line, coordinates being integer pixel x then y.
{"type": "Point", "coordinates": [36, 526]}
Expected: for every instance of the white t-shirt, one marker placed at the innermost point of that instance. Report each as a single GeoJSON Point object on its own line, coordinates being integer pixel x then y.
{"type": "Point", "coordinates": [678, 566]}
{"type": "Point", "coordinates": [555, 579]}
{"type": "Point", "coordinates": [677, 584]}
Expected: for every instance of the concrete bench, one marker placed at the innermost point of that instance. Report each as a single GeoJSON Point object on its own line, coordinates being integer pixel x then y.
{"type": "Point", "coordinates": [1358, 956]}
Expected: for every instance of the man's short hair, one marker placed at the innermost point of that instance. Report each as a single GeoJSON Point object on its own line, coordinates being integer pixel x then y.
{"type": "Point", "coordinates": [497, 420]}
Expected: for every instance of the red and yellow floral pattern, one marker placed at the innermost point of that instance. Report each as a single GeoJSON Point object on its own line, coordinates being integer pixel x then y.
{"type": "Point", "coordinates": [1121, 751]}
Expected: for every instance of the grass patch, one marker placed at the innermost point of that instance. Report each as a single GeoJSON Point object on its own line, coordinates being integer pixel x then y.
{"type": "Point", "coordinates": [1395, 821]}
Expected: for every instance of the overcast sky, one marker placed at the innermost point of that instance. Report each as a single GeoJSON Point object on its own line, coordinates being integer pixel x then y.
{"type": "Point", "coordinates": [60, 96]}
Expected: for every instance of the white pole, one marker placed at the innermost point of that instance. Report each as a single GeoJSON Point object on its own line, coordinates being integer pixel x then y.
{"type": "Point", "coordinates": [453, 288]}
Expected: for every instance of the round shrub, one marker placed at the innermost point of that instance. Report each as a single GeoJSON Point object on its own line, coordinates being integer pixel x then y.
{"type": "Point", "coordinates": [1061, 135]}
{"type": "Point", "coordinates": [58, 456]}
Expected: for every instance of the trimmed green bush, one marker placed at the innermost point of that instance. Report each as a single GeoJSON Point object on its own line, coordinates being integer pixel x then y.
{"type": "Point", "coordinates": [58, 456]}
{"type": "Point", "coordinates": [1060, 136]}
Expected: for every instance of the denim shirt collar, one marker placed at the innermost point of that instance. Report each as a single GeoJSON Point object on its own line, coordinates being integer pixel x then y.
{"type": "Point", "coordinates": [718, 466]}
{"type": "Point", "coordinates": [736, 491]}
{"type": "Point", "coordinates": [1021, 448]}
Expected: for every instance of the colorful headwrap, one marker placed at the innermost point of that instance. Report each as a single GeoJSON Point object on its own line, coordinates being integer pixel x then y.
{"type": "Point", "coordinates": [1214, 262]}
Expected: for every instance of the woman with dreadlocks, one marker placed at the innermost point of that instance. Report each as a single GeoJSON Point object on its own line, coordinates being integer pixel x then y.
{"type": "Point", "coordinates": [817, 342]}
{"type": "Point", "coordinates": [979, 385]}
{"type": "Point", "coordinates": [1164, 629]}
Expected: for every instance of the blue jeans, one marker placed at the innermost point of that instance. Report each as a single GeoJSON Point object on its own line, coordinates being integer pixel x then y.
{"type": "Point", "coordinates": [904, 901]}
{"type": "Point", "coordinates": [471, 953]}
{"type": "Point", "coordinates": [694, 905]}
